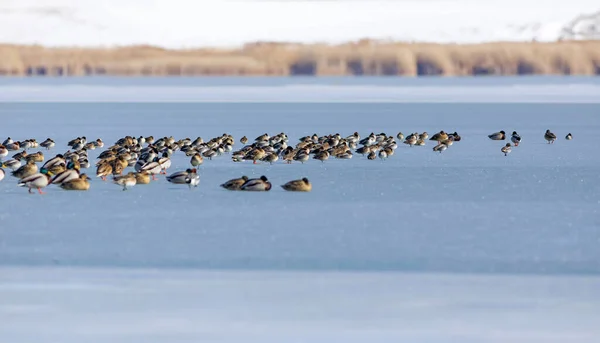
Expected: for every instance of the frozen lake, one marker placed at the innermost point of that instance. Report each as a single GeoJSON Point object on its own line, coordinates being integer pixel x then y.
{"type": "Point", "coordinates": [470, 226]}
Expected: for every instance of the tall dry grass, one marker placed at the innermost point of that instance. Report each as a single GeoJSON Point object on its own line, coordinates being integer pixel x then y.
{"type": "Point", "coordinates": [365, 57]}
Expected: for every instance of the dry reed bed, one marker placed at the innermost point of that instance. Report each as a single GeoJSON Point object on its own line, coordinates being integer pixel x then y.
{"type": "Point", "coordinates": [365, 57]}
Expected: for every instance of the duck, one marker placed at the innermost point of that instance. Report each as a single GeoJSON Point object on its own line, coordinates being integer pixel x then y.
{"type": "Point", "coordinates": [3, 152]}
{"type": "Point", "coordinates": [56, 160]}
{"type": "Point", "coordinates": [99, 143]}
{"type": "Point", "coordinates": [104, 170]}
{"type": "Point", "coordinates": [71, 172]}
{"type": "Point", "coordinates": [179, 177]}
{"type": "Point", "coordinates": [259, 184]}
{"type": "Point", "coordinates": [455, 135]}
{"type": "Point", "coordinates": [383, 154]}
{"type": "Point", "coordinates": [8, 140]}
{"type": "Point", "coordinates": [2, 174]}
{"type": "Point", "coordinates": [119, 164]}
{"type": "Point", "coordinates": [549, 136]}
{"type": "Point", "coordinates": [302, 185]}
{"type": "Point", "coordinates": [498, 136]}
{"type": "Point", "coordinates": [35, 157]}
{"type": "Point", "coordinates": [323, 155]}
{"type": "Point", "coordinates": [127, 180]}
{"type": "Point", "coordinates": [424, 135]}
{"type": "Point", "coordinates": [400, 136]}
{"type": "Point", "coordinates": [515, 138]}
{"type": "Point", "coordinates": [569, 136]}
{"type": "Point", "coordinates": [244, 140]}
{"type": "Point", "coordinates": [28, 169]}
{"type": "Point", "coordinates": [372, 155]}
{"type": "Point", "coordinates": [440, 136]}
{"type": "Point", "coordinates": [81, 183]}
{"type": "Point", "coordinates": [12, 164]}
{"type": "Point", "coordinates": [196, 160]}
{"type": "Point", "coordinates": [411, 140]}
{"type": "Point", "coordinates": [235, 184]}
{"type": "Point", "coordinates": [48, 144]}
{"type": "Point", "coordinates": [255, 155]}
{"type": "Point", "coordinates": [20, 155]}
{"type": "Point", "coordinates": [142, 178]}
{"type": "Point", "coordinates": [165, 163]}
{"type": "Point", "coordinates": [152, 168]}
{"type": "Point", "coordinates": [13, 146]}
{"type": "Point", "coordinates": [302, 156]}
{"type": "Point", "coordinates": [506, 149]}
{"type": "Point", "coordinates": [271, 157]}
{"type": "Point", "coordinates": [37, 180]}
{"type": "Point", "coordinates": [193, 179]}
{"type": "Point", "coordinates": [440, 147]}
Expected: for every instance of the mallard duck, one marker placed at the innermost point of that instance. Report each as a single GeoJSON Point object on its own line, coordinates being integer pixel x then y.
{"type": "Point", "coordinates": [244, 140]}
{"type": "Point", "coordinates": [81, 183]}
{"type": "Point", "coordinates": [440, 147]}
{"type": "Point", "coordinates": [193, 179]}
{"type": "Point", "coordinates": [369, 140]}
{"type": "Point", "coordinates": [12, 164]}
{"type": "Point", "coordinates": [271, 157]}
{"type": "Point", "coordinates": [302, 185]}
{"type": "Point", "coordinates": [400, 136]}
{"type": "Point", "coordinates": [152, 168]}
{"type": "Point", "coordinates": [260, 184]}
{"type": "Point", "coordinates": [383, 154]}
{"type": "Point", "coordinates": [35, 157]}
{"type": "Point", "coordinates": [455, 136]}
{"type": "Point", "coordinates": [235, 184]}
{"type": "Point", "coordinates": [354, 138]}
{"type": "Point", "coordinates": [48, 144]}
{"type": "Point", "coordinates": [2, 174]}
{"type": "Point", "coordinates": [498, 136]}
{"type": "Point", "coordinates": [14, 146]}
{"type": "Point", "coordinates": [569, 136]}
{"type": "Point", "coordinates": [255, 155]}
{"type": "Point", "coordinates": [440, 136]}
{"type": "Point", "coordinates": [515, 138]}
{"type": "Point", "coordinates": [420, 142]}
{"type": "Point", "coordinates": [127, 180]}
{"type": "Point", "coordinates": [372, 155]}
{"type": "Point", "coordinates": [119, 164]}
{"type": "Point", "coordinates": [67, 175]}
{"type": "Point", "coordinates": [104, 170]}
{"type": "Point", "coordinates": [179, 177]}
{"type": "Point", "coordinates": [302, 155]}
{"type": "Point", "coordinates": [323, 155]}
{"type": "Point", "coordinates": [24, 171]}
{"type": "Point", "coordinates": [411, 140]}
{"type": "Point", "coordinates": [506, 149]}
{"type": "Point", "coordinates": [424, 135]}
{"type": "Point", "coordinates": [3, 152]}
{"type": "Point", "coordinates": [58, 159]}
{"type": "Point", "coordinates": [37, 180]}
{"type": "Point", "coordinates": [142, 178]}
{"type": "Point", "coordinates": [20, 155]}
{"type": "Point", "coordinates": [345, 155]}
{"type": "Point", "coordinates": [260, 138]}
{"type": "Point", "coordinates": [165, 163]}
{"type": "Point", "coordinates": [549, 136]}
{"type": "Point", "coordinates": [448, 142]}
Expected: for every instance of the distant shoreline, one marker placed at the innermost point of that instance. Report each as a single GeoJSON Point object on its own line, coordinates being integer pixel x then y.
{"type": "Point", "coordinates": [362, 58]}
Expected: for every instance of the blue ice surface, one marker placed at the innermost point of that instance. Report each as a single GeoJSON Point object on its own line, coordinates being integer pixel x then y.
{"type": "Point", "coordinates": [467, 210]}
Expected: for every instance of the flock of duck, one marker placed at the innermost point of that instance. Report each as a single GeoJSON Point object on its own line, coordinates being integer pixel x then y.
{"type": "Point", "coordinates": [150, 157]}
